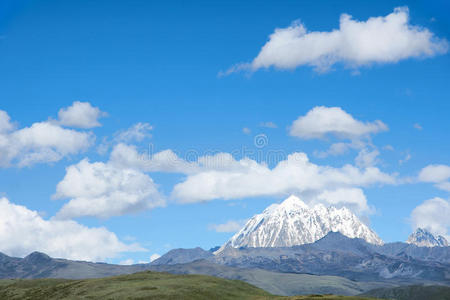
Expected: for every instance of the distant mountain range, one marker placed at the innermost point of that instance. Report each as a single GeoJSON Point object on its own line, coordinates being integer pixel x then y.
{"type": "Point", "coordinates": [292, 237]}
{"type": "Point", "coordinates": [288, 249]}
{"type": "Point", "coordinates": [334, 264]}
{"type": "Point", "coordinates": [40, 265]}
{"type": "Point", "coordinates": [355, 259]}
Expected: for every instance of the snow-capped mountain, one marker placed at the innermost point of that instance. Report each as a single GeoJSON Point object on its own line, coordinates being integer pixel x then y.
{"type": "Point", "coordinates": [423, 238]}
{"type": "Point", "coordinates": [292, 222]}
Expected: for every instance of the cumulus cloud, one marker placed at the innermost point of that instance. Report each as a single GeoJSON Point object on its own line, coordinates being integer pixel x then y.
{"type": "Point", "coordinates": [334, 150]}
{"type": "Point", "coordinates": [433, 215]}
{"type": "Point", "coordinates": [80, 115]}
{"type": "Point", "coordinates": [221, 176]}
{"type": "Point", "coordinates": [352, 198]}
{"type": "Point", "coordinates": [5, 122]}
{"type": "Point", "coordinates": [323, 121]}
{"type": "Point", "coordinates": [154, 256]}
{"type": "Point", "coordinates": [42, 142]}
{"type": "Point", "coordinates": [137, 132]}
{"type": "Point", "coordinates": [296, 174]}
{"type": "Point", "coordinates": [127, 156]}
{"type": "Point", "coordinates": [367, 158]}
{"type": "Point", "coordinates": [104, 190]}
{"type": "Point", "coordinates": [379, 40]}
{"type": "Point", "coordinates": [126, 262]}
{"type": "Point", "coordinates": [340, 148]}
{"type": "Point", "coordinates": [437, 174]}
{"type": "Point", "coordinates": [23, 231]}
{"type": "Point", "coordinates": [229, 226]}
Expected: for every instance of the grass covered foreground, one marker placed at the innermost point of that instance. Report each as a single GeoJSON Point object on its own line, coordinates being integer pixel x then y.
{"type": "Point", "coordinates": [144, 285]}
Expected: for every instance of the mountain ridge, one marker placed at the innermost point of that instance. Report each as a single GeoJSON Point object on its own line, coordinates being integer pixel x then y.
{"type": "Point", "coordinates": [293, 222]}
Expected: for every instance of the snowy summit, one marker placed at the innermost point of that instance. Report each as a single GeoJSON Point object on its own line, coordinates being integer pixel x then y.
{"type": "Point", "coordinates": [423, 238]}
{"type": "Point", "coordinates": [293, 222]}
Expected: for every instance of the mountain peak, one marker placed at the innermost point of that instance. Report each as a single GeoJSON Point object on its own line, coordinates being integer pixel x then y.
{"type": "Point", "coordinates": [292, 222]}
{"type": "Point", "coordinates": [292, 202]}
{"type": "Point", "coordinates": [423, 238]}
{"type": "Point", "coordinates": [37, 257]}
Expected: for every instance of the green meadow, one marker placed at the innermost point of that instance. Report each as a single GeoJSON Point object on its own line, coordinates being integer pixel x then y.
{"type": "Point", "coordinates": [144, 285]}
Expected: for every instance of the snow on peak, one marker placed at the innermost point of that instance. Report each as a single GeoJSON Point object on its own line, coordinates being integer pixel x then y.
{"type": "Point", "coordinates": [293, 202]}
{"type": "Point", "coordinates": [423, 238]}
{"type": "Point", "coordinates": [290, 204]}
{"type": "Point", "coordinates": [292, 222]}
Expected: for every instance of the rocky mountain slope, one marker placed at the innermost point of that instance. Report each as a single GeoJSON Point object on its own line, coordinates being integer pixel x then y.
{"type": "Point", "coordinates": [338, 255]}
{"type": "Point", "coordinates": [181, 256]}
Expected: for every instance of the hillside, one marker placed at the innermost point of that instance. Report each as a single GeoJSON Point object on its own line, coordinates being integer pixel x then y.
{"type": "Point", "coordinates": [40, 265]}
{"type": "Point", "coordinates": [412, 292]}
{"type": "Point", "coordinates": [275, 282]}
{"type": "Point", "coordinates": [148, 285]}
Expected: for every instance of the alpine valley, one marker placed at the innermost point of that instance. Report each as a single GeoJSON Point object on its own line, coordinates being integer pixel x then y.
{"type": "Point", "coordinates": [289, 249]}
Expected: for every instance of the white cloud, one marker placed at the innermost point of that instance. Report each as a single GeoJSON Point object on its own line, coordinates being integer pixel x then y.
{"type": "Point", "coordinates": [154, 256]}
{"type": "Point", "coordinates": [352, 198]}
{"type": "Point", "coordinates": [137, 132]}
{"type": "Point", "coordinates": [405, 159]}
{"type": "Point", "coordinates": [268, 124]}
{"type": "Point", "coordinates": [5, 122]}
{"type": "Point", "coordinates": [23, 231]}
{"type": "Point", "coordinates": [322, 121]}
{"type": "Point", "coordinates": [229, 226]}
{"type": "Point", "coordinates": [42, 142]}
{"type": "Point", "coordinates": [127, 156]}
{"type": "Point", "coordinates": [444, 186]}
{"type": "Point", "coordinates": [126, 262]}
{"type": "Point", "coordinates": [438, 174]}
{"type": "Point", "coordinates": [433, 214]}
{"type": "Point", "coordinates": [220, 176]}
{"type": "Point", "coordinates": [435, 173]}
{"type": "Point", "coordinates": [104, 190]}
{"type": "Point", "coordinates": [80, 115]}
{"type": "Point", "coordinates": [334, 150]}
{"type": "Point", "coordinates": [387, 39]}
{"type": "Point", "coordinates": [367, 158]}
{"type": "Point", "coordinates": [296, 174]}
{"type": "Point", "coordinates": [246, 130]}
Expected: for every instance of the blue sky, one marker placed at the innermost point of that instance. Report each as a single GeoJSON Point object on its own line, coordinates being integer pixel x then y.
{"type": "Point", "coordinates": [160, 64]}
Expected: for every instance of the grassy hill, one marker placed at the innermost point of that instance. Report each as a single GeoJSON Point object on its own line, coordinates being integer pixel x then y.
{"type": "Point", "coordinates": [144, 285]}
{"type": "Point", "coordinates": [412, 292]}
